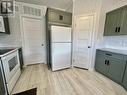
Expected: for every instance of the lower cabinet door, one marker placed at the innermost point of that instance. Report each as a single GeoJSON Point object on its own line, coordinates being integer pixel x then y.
{"type": "Point", "coordinates": [125, 79]}
{"type": "Point", "coordinates": [116, 69]}
{"type": "Point", "coordinates": [100, 65]}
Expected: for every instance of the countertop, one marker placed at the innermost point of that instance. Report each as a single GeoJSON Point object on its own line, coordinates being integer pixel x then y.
{"type": "Point", "coordinates": [14, 49]}
{"type": "Point", "coordinates": [119, 51]}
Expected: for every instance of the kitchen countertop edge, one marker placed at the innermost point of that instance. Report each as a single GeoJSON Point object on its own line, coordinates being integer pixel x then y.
{"type": "Point", "coordinates": [118, 51]}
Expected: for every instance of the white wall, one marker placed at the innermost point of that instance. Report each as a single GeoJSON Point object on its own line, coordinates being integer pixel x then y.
{"type": "Point", "coordinates": [14, 39]}
{"type": "Point", "coordinates": [86, 6]}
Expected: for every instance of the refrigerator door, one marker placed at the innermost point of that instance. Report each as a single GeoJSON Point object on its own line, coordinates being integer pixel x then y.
{"type": "Point", "coordinates": [60, 34]}
{"type": "Point", "coordinates": [61, 56]}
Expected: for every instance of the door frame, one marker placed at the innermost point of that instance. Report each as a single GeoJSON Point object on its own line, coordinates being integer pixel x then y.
{"type": "Point", "coordinates": [22, 35]}
{"type": "Point", "coordinates": [93, 39]}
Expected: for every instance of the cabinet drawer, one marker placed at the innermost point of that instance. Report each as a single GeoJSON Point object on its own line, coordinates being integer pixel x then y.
{"type": "Point", "coordinates": [110, 54]}
{"type": "Point", "coordinates": [125, 57]}
{"type": "Point", "coordinates": [115, 55]}
{"type": "Point", "coordinates": [100, 52]}
{"type": "Point", "coordinates": [53, 17]}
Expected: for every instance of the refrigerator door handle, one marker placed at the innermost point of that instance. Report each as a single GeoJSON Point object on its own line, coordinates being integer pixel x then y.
{"type": "Point", "coordinates": [89, 46]}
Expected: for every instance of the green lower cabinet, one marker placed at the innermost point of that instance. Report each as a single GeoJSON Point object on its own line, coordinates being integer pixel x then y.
{"type": "Point", "coordinates": [100, 64]}
{"type": "Point", "coordinates": [112, 65]}
{"type": "Point", "coordinates": [116, 69]}
{"type": "Point", "coordinates": [125, 79]}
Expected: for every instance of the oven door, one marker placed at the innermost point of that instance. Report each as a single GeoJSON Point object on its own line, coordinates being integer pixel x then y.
{"type": "Point", "coordinates": [11, 65]}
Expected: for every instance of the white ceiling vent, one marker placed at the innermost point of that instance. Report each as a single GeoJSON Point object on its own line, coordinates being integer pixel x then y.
{"type": "Point", "coordinates": [31, 11]}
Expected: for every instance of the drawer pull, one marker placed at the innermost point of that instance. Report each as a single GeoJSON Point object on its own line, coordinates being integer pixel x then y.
{"type": "Point", "coordinates": [116, 29]}
{"type": "Point", "coordinates": [108, 54]}
{"type": "Point", "coordinates": [105, 62]}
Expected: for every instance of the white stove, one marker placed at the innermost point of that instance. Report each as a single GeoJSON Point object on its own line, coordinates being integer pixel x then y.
{"type": "Point", "coordinates": [11, 67]}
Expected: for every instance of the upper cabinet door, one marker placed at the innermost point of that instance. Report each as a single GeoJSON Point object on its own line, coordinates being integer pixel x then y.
{"type": "Point", "coordinates": [113, 22]}
{"type": "Point", "coordinates": [124, 23]}
{"type": "Point", "coordinates": [61, 17]}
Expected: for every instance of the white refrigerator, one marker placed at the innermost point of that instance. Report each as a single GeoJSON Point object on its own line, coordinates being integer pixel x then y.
{"type": "Point", "coordinates": [60, 47]}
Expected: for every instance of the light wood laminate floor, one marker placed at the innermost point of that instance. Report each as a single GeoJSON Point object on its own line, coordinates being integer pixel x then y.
{"type": "Point", "coordinates": [66, 82]}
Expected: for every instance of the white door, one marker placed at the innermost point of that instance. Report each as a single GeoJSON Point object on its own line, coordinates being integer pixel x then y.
{"type": "Point", "coordinates": [34, 39]}
{"type": "Point", "coordinates": [83, 41]}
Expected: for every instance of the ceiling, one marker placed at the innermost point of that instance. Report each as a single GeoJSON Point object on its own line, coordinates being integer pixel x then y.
{"type": "Point", "coordinates": [61, 4]}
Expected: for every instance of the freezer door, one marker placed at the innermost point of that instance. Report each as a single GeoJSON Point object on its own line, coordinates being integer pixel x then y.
{"type": "Point", "coordinates": [60, 34]}
{"type": "Point", "coordinates": [61, 56]}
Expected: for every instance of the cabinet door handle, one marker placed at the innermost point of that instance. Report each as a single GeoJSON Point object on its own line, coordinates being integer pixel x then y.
{"type": "Point", "coordinates": [118, 29]}
{"type": "Point", "coordinates": [89, 46]}
{"type": "Point", "coordinates": [108, 63]}
{"type": "Point", "coordinates": [108, 54]}
{"type": "Point", "coordinates": [105, 62]}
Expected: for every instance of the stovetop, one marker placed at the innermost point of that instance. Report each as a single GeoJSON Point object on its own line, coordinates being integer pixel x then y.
{"type": "Point", "coordinates": [3, 51]}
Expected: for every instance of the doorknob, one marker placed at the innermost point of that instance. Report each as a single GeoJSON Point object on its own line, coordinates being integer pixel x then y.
{"type": "Point", "coordinates": [89, 46]}
{"type": "Point", "coordinates": [42, 44]}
